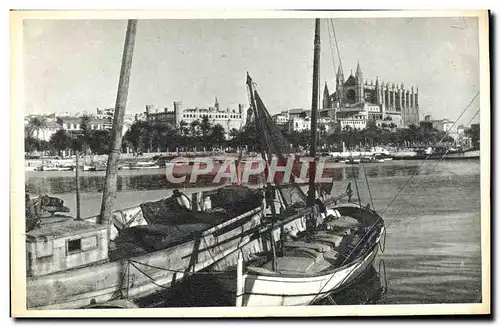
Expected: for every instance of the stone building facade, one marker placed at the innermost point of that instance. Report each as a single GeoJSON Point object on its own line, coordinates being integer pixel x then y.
{"type": "Point", "coordinates": [354, 99]}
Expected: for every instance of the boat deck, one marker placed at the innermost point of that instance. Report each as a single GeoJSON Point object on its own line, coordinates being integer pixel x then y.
{"type": "Point", "coordinates": [316, 252]}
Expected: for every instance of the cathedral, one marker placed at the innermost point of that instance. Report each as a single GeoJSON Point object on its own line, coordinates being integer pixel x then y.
{"type": "Point", "coordinates": [355, 101]}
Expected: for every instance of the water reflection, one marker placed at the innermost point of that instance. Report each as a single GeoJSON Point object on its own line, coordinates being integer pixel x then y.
{"type": "Point", "coordinates": [155, 179]}
{"type": "Point", "coordinates": [370, 288]}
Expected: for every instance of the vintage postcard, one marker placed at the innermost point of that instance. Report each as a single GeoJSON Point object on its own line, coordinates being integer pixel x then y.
{"type": "Point", "coordinates": [250, 163]}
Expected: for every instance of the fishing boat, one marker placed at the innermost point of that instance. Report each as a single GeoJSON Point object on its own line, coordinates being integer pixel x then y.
{"type": "Point", "coordinates": [145, 165]}
{"type": "Point", "coordinates": [120, 255]}
{"type": "Point", "coordinates": [72, 263]}
{"type": "Point", "coordinates": [352, 161]}
{"type": "Point", "coordinates": [313, 247]}
{"type": "Point", "coordinates": [49, 167]}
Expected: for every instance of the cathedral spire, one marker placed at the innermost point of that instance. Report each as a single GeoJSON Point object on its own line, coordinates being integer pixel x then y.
{"type": "Point", "coordinates": [326, 97]}
{"type": "Point", "coordinates": [326, 89]}
{"type": "Point", "coordinates": [358, 70]}
{"type": "Point", "coordinates": [216, 103]}
{"type": "Point", "coordinates": [340, 73]}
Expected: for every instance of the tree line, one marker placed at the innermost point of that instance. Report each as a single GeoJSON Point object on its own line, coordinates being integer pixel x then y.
{"type": "Point", "coordinates": [150, 136]}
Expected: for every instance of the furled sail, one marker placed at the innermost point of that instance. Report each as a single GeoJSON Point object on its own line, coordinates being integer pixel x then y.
{"type": "Point", "coordinates": [277, 148]}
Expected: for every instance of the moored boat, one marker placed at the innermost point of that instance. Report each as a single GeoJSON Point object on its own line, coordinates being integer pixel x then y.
{"type": "Point", "coordinates": [124, 254]}
{"type": "Point", "coordinates": [313, 247]}
{"type": "Point", "coordinates": [72, 263]}
{"type": "Point", "coordinates": [309, 267]}
{"type": "Point", "coordinates": [145, 165]}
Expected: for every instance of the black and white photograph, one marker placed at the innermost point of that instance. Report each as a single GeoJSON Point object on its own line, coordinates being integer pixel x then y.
{"type": "Point", "coordinates": [250, 164]}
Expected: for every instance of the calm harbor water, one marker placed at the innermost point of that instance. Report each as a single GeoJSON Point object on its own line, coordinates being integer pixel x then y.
{"type": "Point", "coordinates": [432, 250]}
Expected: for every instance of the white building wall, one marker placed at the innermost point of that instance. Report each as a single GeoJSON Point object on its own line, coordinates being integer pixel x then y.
{"type": "Point", "coordinates": [299, 124]}
{"type": "Point", "coordinates": [226, 119]}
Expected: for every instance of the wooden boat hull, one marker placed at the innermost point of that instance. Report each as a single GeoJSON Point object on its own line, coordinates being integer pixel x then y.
{"type": "Point", "coordinates": [275, 290]}
{"type": "Point", "coordinates": [296, 291]}
{"type": "Point", "coordinates": [140, 275]}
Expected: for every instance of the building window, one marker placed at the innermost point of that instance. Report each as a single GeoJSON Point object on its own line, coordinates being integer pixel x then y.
{"type": "Point", "coordinates": [74, 246]}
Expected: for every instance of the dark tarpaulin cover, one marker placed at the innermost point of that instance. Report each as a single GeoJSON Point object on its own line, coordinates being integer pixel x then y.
{"type": "Point", "coordinates": [169, 225]}
{"type": "Point", "coordinates": [158, 237]}
{"type": "Point", "coordinates": [236, 200]}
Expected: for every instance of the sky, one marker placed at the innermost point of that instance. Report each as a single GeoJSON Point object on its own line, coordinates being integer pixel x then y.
{"type": "Point", "coordinates": [73, 65]}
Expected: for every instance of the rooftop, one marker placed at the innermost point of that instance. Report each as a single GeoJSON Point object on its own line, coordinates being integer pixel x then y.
{"type": "Point", "coordinates": [65, 228]}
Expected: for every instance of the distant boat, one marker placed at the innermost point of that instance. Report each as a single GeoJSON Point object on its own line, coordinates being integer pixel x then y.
{"type": "Point", "coordinates": [145, 165]}
{"type": "Point", "coordinates": [435, 153]}
{"type": "Point", "coordinates": [352, 161]}
{"type": "Point", "coordinates": [54, 167]}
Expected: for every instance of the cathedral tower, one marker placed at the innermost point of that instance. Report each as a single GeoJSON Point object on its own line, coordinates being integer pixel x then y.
{"type": "Point", "coordinates": [340, 83]}
{"type": "Point", "coordinates": [216, 105]}
{"type": "Point", "coordinates": [360, 97]}
{"type": "Point", "coordinates": [326, 97]}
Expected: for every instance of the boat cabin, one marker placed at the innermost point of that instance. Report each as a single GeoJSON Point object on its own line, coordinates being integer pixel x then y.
{"type": "Point", "coordinates": [64, 245]}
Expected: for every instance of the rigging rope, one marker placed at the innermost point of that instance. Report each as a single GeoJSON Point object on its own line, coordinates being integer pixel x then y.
{"type": "Point", "coordinates": [421, 185]}
{"type": "Point", "coordinates": [331, 46]}
{"type": "Point", "coordinates": [336, 43]}
{"type": "Point", "coordinates": [376, 221]}
{"type": "Point", "coordinates": [428, 156]}
{"type": "Point", "coordinates": [447, 132]}
{"type": "Point", "coordinates": [356, 184]}
{"type": "Point", "coordinates": [381, 268]}
{"type": "Point", "coordinates": [368, 185]}
{"type": "Point", "coordinates": [174, 270]}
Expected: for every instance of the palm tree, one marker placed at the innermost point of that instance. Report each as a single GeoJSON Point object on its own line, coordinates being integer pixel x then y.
{"type": "Point", "coordinates": [61, 140]}
{"type": "Point", "coordinates": [36, 124]}
{"type": "Point", "coordinates": [217, 136]}
{"type": "Point", "coordinates": [194, 128]}
{"type": "Point", "coordinates": [86, 131]}
{"type": "Point", "coordinates": [183, 128]}
{"type": "Point", "coordinates": [205, 127]}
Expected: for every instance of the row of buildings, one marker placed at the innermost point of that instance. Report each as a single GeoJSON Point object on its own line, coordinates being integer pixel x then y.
{"type": "Point", "coordinates": [355, 102]}
{"type": "Point", "coordinates": [101, 120]}
{"type": "Point", "coordinates": [228, 118]}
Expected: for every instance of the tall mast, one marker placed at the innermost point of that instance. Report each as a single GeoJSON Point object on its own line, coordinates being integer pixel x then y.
{"type": "Point", "coordinates": [314, 111]}
{"type": "Point", "coordinates": [109, 193]}
{"type": "Point", "coordinates": [269, 189]}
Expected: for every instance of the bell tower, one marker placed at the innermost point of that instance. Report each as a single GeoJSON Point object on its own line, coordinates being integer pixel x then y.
{"type": "Point", "coordinates": [360, 97]}
{"type": "Point", "coordinates": [340, 85]}
{"type": "Point", "coordinates": [326, 97]}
